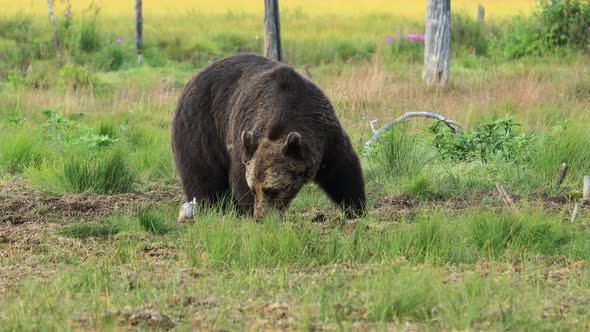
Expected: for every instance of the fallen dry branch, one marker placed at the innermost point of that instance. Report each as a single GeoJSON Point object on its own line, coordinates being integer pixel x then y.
{"type": "Point", "coordinates": [450, 123]}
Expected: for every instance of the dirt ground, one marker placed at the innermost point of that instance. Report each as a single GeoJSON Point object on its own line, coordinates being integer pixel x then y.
{"type": "Point", "coordinates": [19, 204]}
{"type": "Point", "coordinates": [26, 214]}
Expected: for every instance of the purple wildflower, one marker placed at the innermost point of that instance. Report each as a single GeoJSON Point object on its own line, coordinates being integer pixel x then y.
{"type": "Point", "coordinates": [388, 40]}
{"type": "Point", "coordinates": [588, 29]}
{"type": "Point", "coordinates": [421, 37]}
{"type": "Point", "coordinates": [412, 36]}
{"type": "Point", "coordinates": [119, 40]}
{"type": "Point", "coordinates": [69, 13]}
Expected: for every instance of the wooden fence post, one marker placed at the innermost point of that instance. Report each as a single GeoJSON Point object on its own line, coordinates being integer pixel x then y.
{"type": "Point", "coordinates": [138, 31]}
{"type": "Point", "coordinates": [272, 30]}
{"type": "Point", "coordinates": [481, 14]}
{"type": "Point", "coordinates": [586, 190]}
{"type": "Point", "coordinates": [55, 34]}
{"type": "Point", "coordinates": [437, 51]}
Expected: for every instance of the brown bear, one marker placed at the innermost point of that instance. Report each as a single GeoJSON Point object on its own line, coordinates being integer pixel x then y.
{"type": "Point", "coordinates": [253, 129]}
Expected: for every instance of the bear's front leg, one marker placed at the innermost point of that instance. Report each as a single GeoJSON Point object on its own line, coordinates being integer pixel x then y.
{"type": "Point", "coordinates": [340, 177]}
{"type": "Point", "coordinates": [242, 196]}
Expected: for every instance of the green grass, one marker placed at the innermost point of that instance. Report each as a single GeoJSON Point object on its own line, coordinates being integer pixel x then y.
{"type": "Point", "coordinates": [107, 172]}
{"type": "Point", "coordinates": [224, 242]}
{"type": "Point", "coordinates": [442, 272]}
{"type": "Point", "coordinates": [399, 153]}
{"type": "Point", "coordinates": [153, 221]}
{"type": "Point", "coordinates": [19, 151]}
{"type": "Point", "coordinates": [451, 259]}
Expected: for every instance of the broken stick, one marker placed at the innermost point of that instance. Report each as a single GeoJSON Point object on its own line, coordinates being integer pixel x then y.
{"type": "Point", "coordinates": [562, 175]}
{"type": "Point", "coordinates": [504, 195]}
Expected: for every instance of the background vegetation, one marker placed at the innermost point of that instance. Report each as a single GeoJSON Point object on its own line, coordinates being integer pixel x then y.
{"type": "Point", "coordinates": [438, 248]}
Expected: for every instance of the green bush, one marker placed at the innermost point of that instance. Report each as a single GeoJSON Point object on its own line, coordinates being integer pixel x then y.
{"type": "Point", "coordinates": [466, 33]}
{"type": "Point", "coordinates": [88, 37]}
{"type": "Point", "coordinates": [553, 25]}
{"type": "Point", "coordinates": [77, 77]}
{"type": "Point", "coordinates": [20, 43]}
{"type": "Point", "coordinates": [112, 58]}
{"type": "Point", "coordinates": [521, 37]}
{"type": "Point", "coordinates": [57, 127]}
{"type": "Point", "coordinates": [92, 140]}
{"type": "Point", "coordinates": [490, 140]}
{"type": "Point", "coordinates": [565, 23]}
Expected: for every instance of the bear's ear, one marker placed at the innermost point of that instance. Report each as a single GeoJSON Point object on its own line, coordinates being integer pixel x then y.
{"type": "Point", "coordinates": [249, 142]}
{"type": "Point", "coordinates": [284, 76]}
{"type": "Point", "coordinates": [293, 146]}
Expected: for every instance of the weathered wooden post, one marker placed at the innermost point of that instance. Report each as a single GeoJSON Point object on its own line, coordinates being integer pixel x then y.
{"type": "Point", "coordinates": [55, 34]}
{"type": "Point", "coordinates": [585, 198]}
{"type": "Point", "coordinates": [437, 51]}
{"type": "Point", "coordinates": [586, 190]}
{"type": "Point", "coordinates": [562, 174]}
{"type": "Point", "coordinates": [138, 30]}
{"type": "Point", "coordinates": [481, 14]}
{"type": "Point", "coordinates": [272, 30]}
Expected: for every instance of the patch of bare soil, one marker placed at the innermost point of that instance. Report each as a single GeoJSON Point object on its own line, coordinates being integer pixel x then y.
{"type": "Point", "coordinates": [20, 204]}
{"type": "Point", "coordinates": [147, 316]}
{"type": "Point", "coordinates": [394, 207]}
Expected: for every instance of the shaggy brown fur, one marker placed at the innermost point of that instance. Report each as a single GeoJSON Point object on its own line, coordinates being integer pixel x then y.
{"type": "Point", "coordinates": [254, 128]}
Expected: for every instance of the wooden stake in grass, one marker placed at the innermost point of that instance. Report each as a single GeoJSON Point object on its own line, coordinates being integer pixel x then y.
{"type": "Point", "coordinates": [55, 34]}
{"type": "Point", "coordinates": [585, 198]}
{"type": "Point", "coordinates": [562, 175]}
{"type": "Point", "coordinates": [586, 191]}
{"type": "Point", "coordinates": [576, 212]}
{"type": "Point", "coordinates": [272, 30]}
{"type": "Point", "coordinates": [138, 30]}
{"type": "Point", "coordinates": [505, 197]}
{"type": "Point", "coordinates": [437, 51]}
{"type": "Point", "coordinates": [481, 14]}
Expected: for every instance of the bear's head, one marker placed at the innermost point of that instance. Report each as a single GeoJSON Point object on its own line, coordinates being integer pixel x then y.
{"type": "Point", "coordinates": [275, 170]}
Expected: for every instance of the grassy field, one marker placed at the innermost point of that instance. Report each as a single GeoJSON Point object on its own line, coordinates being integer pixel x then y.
{"type": "Point", "coordinates": [89, 194]}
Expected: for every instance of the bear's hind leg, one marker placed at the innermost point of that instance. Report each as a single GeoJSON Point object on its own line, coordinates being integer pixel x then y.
{"type": "Point", "coordinates": [203, 173]}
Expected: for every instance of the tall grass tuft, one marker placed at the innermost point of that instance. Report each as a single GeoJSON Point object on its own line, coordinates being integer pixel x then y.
{"type": "Point", "coordinates": [152, 221]}
{"type": "Point", "coordinates": [106, 128]}
{"type": "Point", "coordinates": [568, 143]}
{"type": "Point", "coordinates": [103, 173]}
{"type": "Point", "coordinates": [19, 152]}
{"type": "Point", "coordinates": [399, 153]}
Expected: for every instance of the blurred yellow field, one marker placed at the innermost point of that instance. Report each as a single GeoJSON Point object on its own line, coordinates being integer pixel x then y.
{"type": "Point", "coordinates": [401, 8]}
